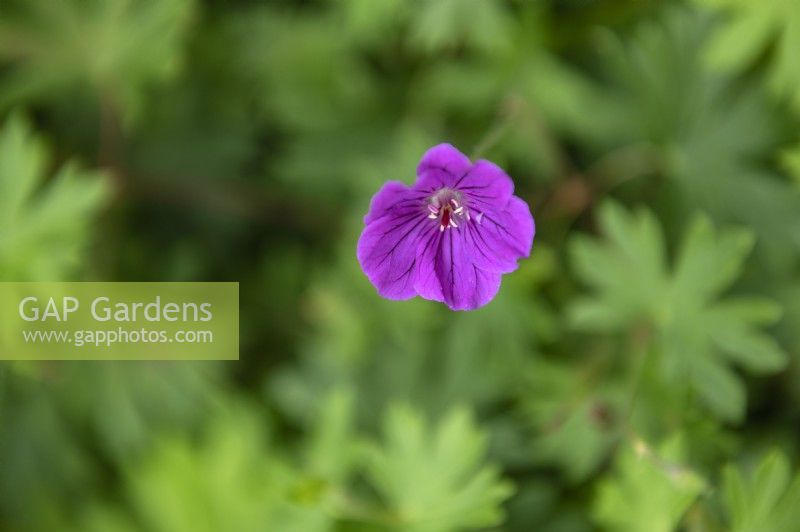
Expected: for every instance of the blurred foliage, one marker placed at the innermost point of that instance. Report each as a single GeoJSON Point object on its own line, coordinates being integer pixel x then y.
{"type": "Point", "coordinates": [747, 33]}
{"type": "Point", "coordinates": [650, 491]}
{"type": "Point", "coordinates": [767, 501]}
{"type": "Point", "coordinates": [431, 481]}
{"type": "Point", "coordinates": [41, 231]}
{"type": "Point", "coordinates": [112, 47]}
{"type": "Point", "coordinates": [694, 333]}
{"type": "Point", "coordinates": [639, 372]}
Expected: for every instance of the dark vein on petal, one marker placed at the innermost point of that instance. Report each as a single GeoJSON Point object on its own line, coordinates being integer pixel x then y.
{"type": "Point", "coordinates": [475, 294]}
{"type": "Point", "coordinates": [472, 232]}
{"type": "Point", "coordinates": [442, 168]}
{"type": "Point", "coordinates": [427, 246]}
{"type": "Point", "coordinates": [500, 226]}
{"type": "Point", "coordinates": [473, 187]}
{"type": "Point", "coordinates": [405, 273]}
{"type": "Point", "coordinates": [460, 179]}
{"type": "Point", "coordinates": [473, 195]}
{"type": "Point", "coordinates": [405, 218]}
{"type": "Point", "coordinates": [399, 241]}
{"type": "Point", "coordinates": [452, 277]}
{"type": "Point", "coordinates": [510, 245]}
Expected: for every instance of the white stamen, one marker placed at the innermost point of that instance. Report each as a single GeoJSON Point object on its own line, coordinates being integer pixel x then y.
{"type": "Point", "coordinates": [457, 211]}
{"type": "Point", "coordinates": [432, 216]}
{"type": "Point", "coordinates": [479, 217]}
{"type": "Point", "coordinates": [434, 210]}
{"type": "Point", "coordinates": [441, 228]}
{"type": "Point", "coordinates": [453, 223]}
{"type": "Point", "coordinates": [454, 202]}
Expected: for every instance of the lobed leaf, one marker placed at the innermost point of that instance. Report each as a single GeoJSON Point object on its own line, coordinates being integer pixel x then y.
{"type": "Point", "coordinates": [433, 479]}
{"type": "Point", "coordinates": [42, 232]}
{"type": "Point", "coordinates": [698, 333]}
{"type": "Point", "coordinates": [768, 500]}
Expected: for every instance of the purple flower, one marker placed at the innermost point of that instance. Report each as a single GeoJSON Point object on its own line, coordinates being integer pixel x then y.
{"type": "Point", "coordinates": [450, 236]}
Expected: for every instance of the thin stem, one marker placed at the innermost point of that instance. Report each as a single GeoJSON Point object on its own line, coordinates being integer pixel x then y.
{"type": "Point", "coordinates": [504, 119]}
{"type": "Point", "coordinates": [641, 347]}
{"type": "Point", "coordinates": [489, 140]}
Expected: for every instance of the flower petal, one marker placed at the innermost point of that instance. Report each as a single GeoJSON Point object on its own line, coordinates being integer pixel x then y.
{"type": "Point", "coordinates": [464, 285]}
{"type": "Point", "coordinates": [387, 252]}
{"type": "Point", "coordinates": [393, 197]}
{"type": "Point", "coordinates": [519, 224]}
{"type": "Point", "coordinates": [495, 241]}
{"type": "Point", "coordinates": [441, 166]}
{"type": "Point", "coordinates": [486, 187]}
{"type": "Point", "coordinates": [428, 285]}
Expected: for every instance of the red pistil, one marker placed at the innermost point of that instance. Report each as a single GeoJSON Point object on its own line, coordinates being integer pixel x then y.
{"type": "Point", "coordinates": [445, 216]}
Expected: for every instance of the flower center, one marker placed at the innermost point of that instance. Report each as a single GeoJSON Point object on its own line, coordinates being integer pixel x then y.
{"type": "Point", "coordinates": [446, 207]}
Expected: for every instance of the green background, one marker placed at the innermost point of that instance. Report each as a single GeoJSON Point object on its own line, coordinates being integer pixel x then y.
{"type": "Point", "coordinates": [639, 372]}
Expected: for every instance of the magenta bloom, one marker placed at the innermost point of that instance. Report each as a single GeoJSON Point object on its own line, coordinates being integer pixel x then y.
{"type": "Point", "coordinates": [450, 236]}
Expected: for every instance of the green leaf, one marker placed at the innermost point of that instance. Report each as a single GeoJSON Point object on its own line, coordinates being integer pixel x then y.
{"type": "Point", "coordinates": [721, 389]}
{"type": "Point", "coordinates": [442, 24]}
{"type": "Point", "coordinates": [575, 418]}
{"type": "Point", "coordinates": [433, 479]}
{"type": "Point", "coordinates": [748, 28]}
{"type": "Point", "coordinates": [117, 47]}
{"type": "Point", "coordinates": [627, 271]}
{"type": "Point", "coordinates": [230, 479]}
{"type": "Point", "coordinates": [698, 332]}
{"type": "Point", "coordinates": [371, 21]}
{"type": "Point", "coordinates": [331, 454]}
{"type": "Point", "coordinates": [766, 501]}
{"type": "Point", "coordinates": [709, 264]}
{"type": "Point", "coordinates": [302, 69]}
{"type": "Point", "coordinates": [732, 328]}
{"type": "Point", "coordinates": [705, 129]}
{"type": "Point", "coordinates": [42, 232]}
{"type": "Point", "coordinates": [791, 161]}
{"type": "Point", "coordinates": [647, 491]}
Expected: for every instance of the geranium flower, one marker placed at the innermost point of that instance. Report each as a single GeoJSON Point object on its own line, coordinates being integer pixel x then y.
{"type": "Point", "coordinates": [450, 236]}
